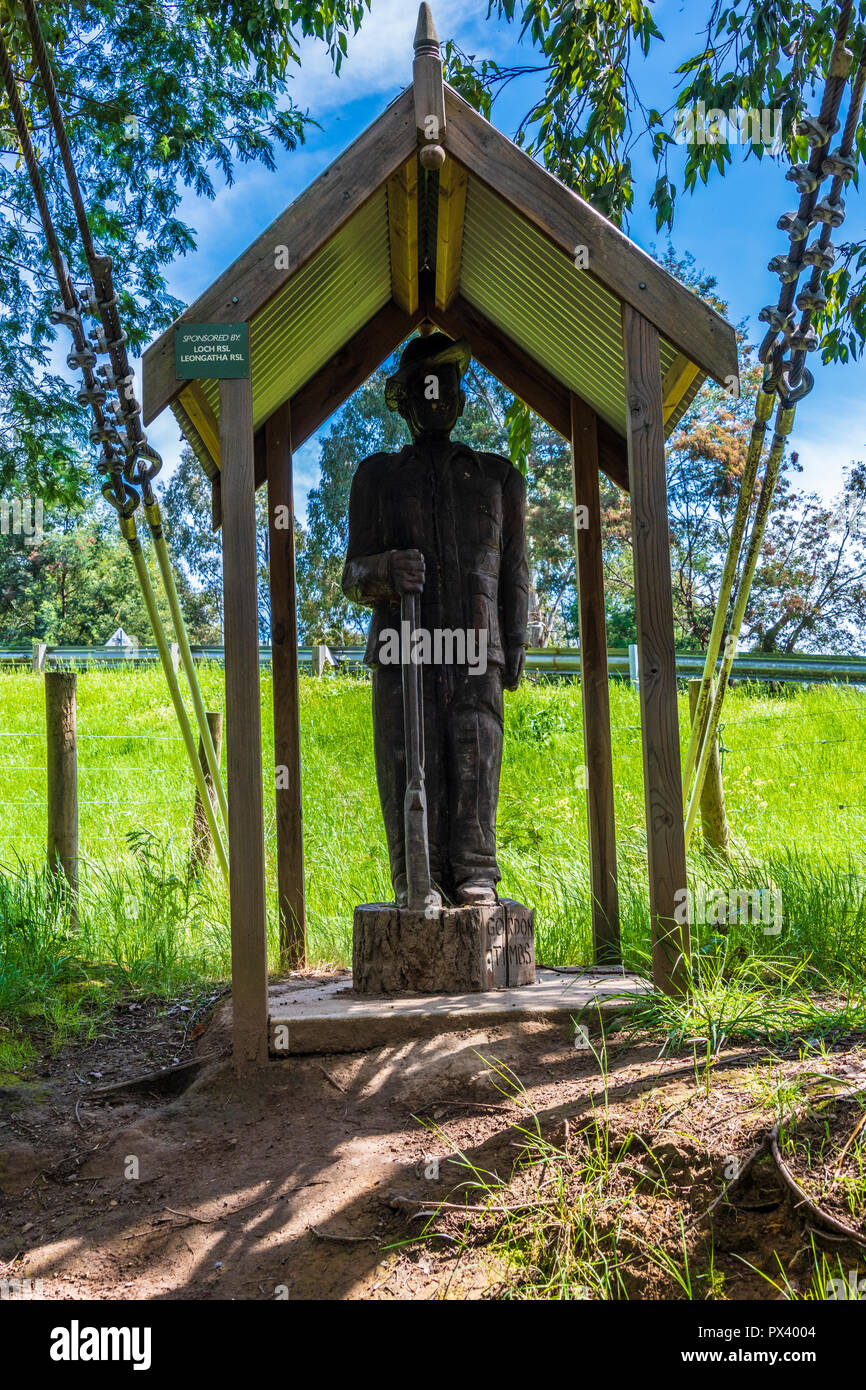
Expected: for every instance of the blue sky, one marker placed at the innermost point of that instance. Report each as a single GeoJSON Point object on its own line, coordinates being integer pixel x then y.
{"type": "Point", "coordinates": [729, 226]}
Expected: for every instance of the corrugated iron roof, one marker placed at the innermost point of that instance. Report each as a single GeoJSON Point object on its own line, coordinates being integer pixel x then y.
{"type": "Point", "coordinates": [568, 321]}
{"type": "Point", "coordinates": [328, 300]}
{"type": "Point", "coordinates": [511, 272]}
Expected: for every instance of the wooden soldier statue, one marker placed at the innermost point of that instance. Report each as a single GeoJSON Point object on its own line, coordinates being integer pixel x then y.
{"type": "Point", "coordinates": [445, 522]}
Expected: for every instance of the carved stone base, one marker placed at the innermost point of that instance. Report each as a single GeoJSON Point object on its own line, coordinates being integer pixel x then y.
{"type": "Point", "coordinates": [456, 950]}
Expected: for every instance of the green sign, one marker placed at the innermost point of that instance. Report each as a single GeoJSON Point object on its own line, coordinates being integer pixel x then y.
{"type": "Point", "coordinates": [215, 350]}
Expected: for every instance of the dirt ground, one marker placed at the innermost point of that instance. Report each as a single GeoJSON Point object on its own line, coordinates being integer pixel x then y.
{"type": "Point", "coordinates": [319, 1181]}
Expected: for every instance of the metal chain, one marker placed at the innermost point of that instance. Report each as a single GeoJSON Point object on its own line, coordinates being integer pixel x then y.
{"type": "Point", "coordinates": [82, 358]}
{"type": "Point", "coordinates": [142, 462]}
{"type": "Point", "coordinates": [789, 377]}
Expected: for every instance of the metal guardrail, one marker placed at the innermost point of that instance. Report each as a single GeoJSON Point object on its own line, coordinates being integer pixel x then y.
{"type": "Point", "coordinates": [553, 661]}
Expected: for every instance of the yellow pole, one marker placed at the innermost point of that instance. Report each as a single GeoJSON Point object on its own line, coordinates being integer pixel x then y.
{"type": "Point", "coordinates": [784, 424]}
{"type": "Point", "coordinates": [154, 521]}
{"type": "Point", "coordinates": [763, 412]}
{"type": "Point", "coordinates": [130, 535]}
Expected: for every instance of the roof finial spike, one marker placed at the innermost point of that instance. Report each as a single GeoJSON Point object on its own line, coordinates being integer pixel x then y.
{"type": "Point", "coordinates": [426, 38]}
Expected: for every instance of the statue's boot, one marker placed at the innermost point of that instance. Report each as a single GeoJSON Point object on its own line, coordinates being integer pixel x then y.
{"type": "Point", "coordinates": [475, 891]}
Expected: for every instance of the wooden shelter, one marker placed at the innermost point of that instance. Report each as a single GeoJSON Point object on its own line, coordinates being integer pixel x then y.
{"type": "Point", "coordinates": [432, 216]}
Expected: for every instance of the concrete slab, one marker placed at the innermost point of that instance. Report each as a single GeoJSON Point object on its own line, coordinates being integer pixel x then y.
{"type": "Point", "coordinates": [330, 1017]}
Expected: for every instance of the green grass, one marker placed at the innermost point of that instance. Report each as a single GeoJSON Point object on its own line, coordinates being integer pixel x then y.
{"type": "Point", "coordinates": [795, 782]}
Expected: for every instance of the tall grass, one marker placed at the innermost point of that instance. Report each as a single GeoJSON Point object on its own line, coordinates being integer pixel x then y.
{"type": "Point", "coordinates": [795, 784]}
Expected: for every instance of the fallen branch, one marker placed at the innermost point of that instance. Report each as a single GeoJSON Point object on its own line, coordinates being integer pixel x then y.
{"type": "Point", "coordinates": [396, 1200]}
{"type": "Point", "coordinates": [806, 1201]}
{"type": "Point", "coordinates": [210, 1220]}
{"type": "Point", "coordinates": [333, 1080]}
{"type": "Point", "coordinates": [190, 1216]}
{"type": "Point", "coordinates": [327, 1235]}
{"type": "Point", "coordinates": [849, 1141]}
{"type": "Point", "coordinates": [153, 1078]}
{"type": "Point", "coordinates": [477, 1105]}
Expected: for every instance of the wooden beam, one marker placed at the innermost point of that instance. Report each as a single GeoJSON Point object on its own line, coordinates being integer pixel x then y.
{"type": "Point", "coordinates": [402, 191]}
{"type": "Point", "coordinates": [195, 403]}
{"type": "Point", "coordinates": [663, 792]}
{"type": "Point", "coordinates": [243, 730]}
{"type": "Point", "coordinates": [517, 370]}
{"type": "Point", "coordinates": [449, 231]}
{"type": "Point", "coordinates": [287, 714]}
{"type": "Point", "coordinates": [676, 382]}
{"type": "Point", "coordinates": [349, 368]}
{"type": "Point", "coordinates": [216, 503]}
{"type": "Point", "coordinates": [594, 687]}
{"type": "Point", "coordinates": [303, 229]}
{"type": "Point", "coordinates": [614, 260]}
{"type": "Point", "coordinates": [341, 375]}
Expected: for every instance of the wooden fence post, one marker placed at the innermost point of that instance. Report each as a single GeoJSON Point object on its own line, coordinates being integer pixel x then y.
{"type": "Point", "coordinates": [62, 757]}
{"type": "Point", "coordinates": [634, 666]}
{"type": "Point", "coordinates": [713, 817]}
{"type": "Point", "coordinates": [202, 840]}
{"type": "Point", "coordinates": [322, 658]}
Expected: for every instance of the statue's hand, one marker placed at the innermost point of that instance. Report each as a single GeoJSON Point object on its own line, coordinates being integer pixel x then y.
{"type": "Point", "coordinates": [514, 659]}
{"type": "Point", "coordinates": [407, 571]}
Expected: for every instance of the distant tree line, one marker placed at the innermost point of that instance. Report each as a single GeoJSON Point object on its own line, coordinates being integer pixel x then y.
{"type": "Point", "coordinates": [76, 584]}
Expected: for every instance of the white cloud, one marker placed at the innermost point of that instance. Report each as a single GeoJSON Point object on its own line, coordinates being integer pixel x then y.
{"type": "Point", "coordinates": [828, 446]}
{"type": "Point", "coordinates": [379, 60]}
{"type": "Point", "coordinates": [377, 68]}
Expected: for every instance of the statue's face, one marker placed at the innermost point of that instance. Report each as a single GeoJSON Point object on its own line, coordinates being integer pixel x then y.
{"type": "Point", "coordinates": [433, 400]}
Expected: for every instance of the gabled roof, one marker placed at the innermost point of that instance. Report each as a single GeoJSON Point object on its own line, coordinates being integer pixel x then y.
{"type": "Point", "coordinates": [490, 245]}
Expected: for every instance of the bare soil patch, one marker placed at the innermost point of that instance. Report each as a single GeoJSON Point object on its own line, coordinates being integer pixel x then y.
{"type": "Point", "coordinates": [316, 1181]}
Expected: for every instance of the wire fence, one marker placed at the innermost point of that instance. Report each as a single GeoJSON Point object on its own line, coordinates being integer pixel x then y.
{"type": "Point", "coordinates": [166, 807]}
{"type": "Point", "coordinates": [132, 791]}
{"type": "Point", "coordinates": [150, 809]}
{"type": "Point", "coordinates": [552, 661]}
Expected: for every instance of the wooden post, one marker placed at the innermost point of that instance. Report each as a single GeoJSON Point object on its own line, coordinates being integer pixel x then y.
{"type": "Point", "coordinates": [321, 658]}
{"type": "Point", "coordinates": [594, 689]}
{"type": "Point", "coordinates": [243, 729]}
{"type": "Point", "coordinates": [62, 782]}
{"type": "Point", "coordinates": [713, 817]}
{"type": "Point", "coordinates": [287, 717]}
{"type": "Point", "coordinates": [202, 840]}
{"type": "Point", "coordinates": [633, 666]}
{"type": "Point", "coordinates": [655, 634]}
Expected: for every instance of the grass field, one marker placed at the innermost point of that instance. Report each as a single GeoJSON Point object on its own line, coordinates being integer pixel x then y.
{"type": "Point", "coordinates": [795, 782]}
